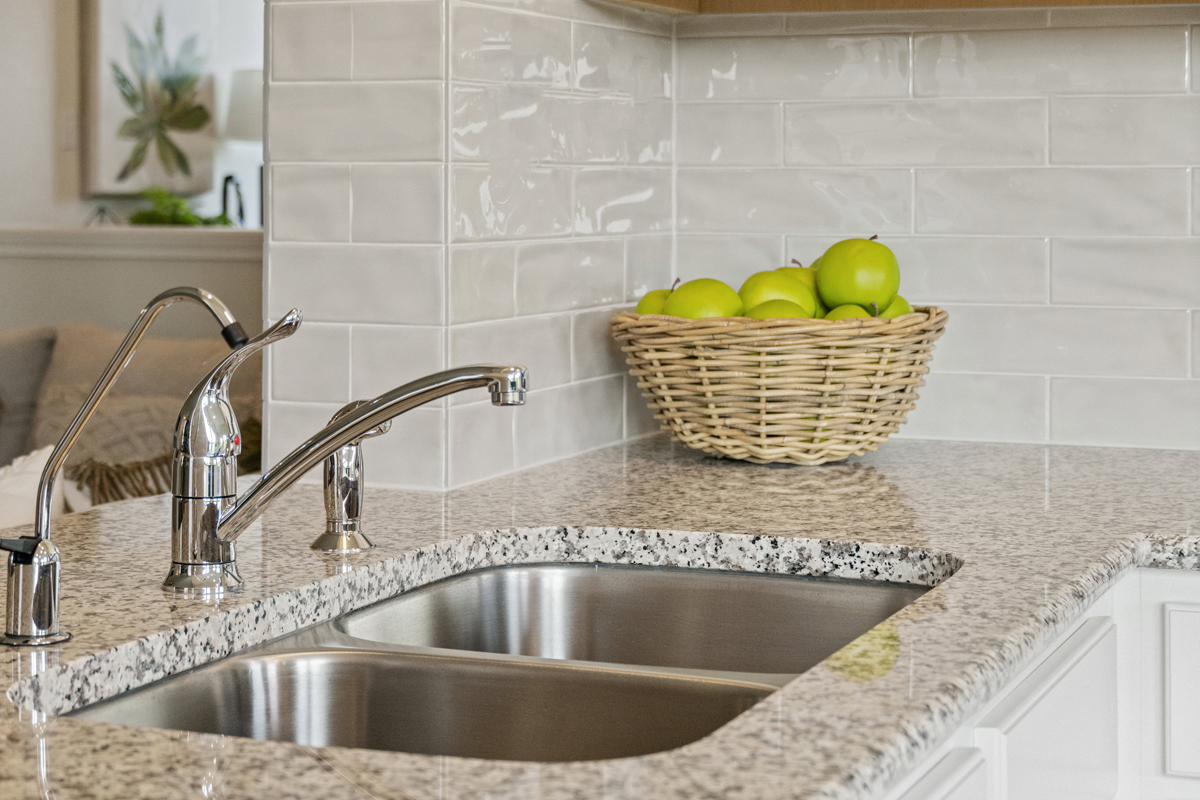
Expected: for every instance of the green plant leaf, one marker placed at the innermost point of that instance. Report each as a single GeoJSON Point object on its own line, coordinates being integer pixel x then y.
{"type": "Point", "coordinates": [137, 128]}
{"type": "Point", "coordinates": [172, 158]}
{"type": "Point", "coordinates": [188, 119]}
{"type": "Point", "coordinates": [135, 159]}
{"type": "Point", "coordinates": [188, 61]}
{"type": "Point", "coordinates": [139, 60]}
{"type": "Point", "coordinates": [133, 98]}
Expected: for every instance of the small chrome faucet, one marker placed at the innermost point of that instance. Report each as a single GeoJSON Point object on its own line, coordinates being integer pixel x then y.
{"type": "Point", "coordinates": [34, 563]}
{"type": "Point", "coordinates": [343, 493]}
{"type": "Point", "coordinates": [207, 516]}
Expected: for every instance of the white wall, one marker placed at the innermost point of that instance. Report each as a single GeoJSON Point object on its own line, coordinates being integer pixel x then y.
{"type": "Point", "coordinates": [38, 92]}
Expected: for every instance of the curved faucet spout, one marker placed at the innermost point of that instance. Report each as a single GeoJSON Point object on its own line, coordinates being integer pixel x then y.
{"type": "Point", "coordinates": [507, 385]}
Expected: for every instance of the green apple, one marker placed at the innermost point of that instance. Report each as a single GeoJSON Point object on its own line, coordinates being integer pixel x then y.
{"type": "Point", "coordinates": [777, 309]}
{"type": "Point", "coordinates": [807, 275]}
{"type": "Point", "coordinates": [653, 302]}
{"type": "Point", "coordinates": [847, 312]}
{"type": "Point", "coordinates": [858, 272]}
{"type": "Point", "coordinates": [763, 286]}
{"type": "Point", "coordinates": [702, 298]}
{"type": "Point", "coordinates": [898, 308]}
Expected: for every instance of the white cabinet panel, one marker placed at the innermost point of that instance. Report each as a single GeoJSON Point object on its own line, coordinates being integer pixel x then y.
{"type": "Point", "coordinates": [1054, 737]}
{"type": "Point", "coordinates": [1183, 689]}
{"type": "Point", "coordinates": [960, 775]}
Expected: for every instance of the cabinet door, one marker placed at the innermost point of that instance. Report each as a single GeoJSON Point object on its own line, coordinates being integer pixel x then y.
{"type": "Point", "coordinates": [958, 775]}
{"type": "Point", "coordinates": [1054, 737]}
{"type": "Point", "coordinates": [1182, 683]}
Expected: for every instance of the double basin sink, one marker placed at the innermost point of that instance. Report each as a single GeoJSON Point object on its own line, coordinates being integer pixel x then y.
{"type": "Point", "coordinates": [543, 662]}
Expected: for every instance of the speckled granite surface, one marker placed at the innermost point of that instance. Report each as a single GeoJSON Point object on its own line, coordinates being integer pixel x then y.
{"type": "Point", "coordinates": [1035, 533]}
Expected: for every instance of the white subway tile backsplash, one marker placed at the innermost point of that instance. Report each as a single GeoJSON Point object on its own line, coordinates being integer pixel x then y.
{"type": "Point", "coordinates": [398, 41]}
{"type": "Point", "coordinates": [1112, 16]}
{"type": "Point", "coordinates": [917, 132]}
{"type": "Point", "coordinates": [1125, 130]}
{"type": "Point", "coordinates": [482, 282]}
{"type": "Point", "coordinates": [792, 68]}
{"type": "Point", "coordinates": [1194, 321]}
{"type": "Point", "coordinates": [938, 270]}
{"type": "Point", "coordinates": [411, 455]}
{"type": "Point", "coordinates": [481, 442]}
{"type": "Point", "coordinates": [759, 200]}
{"type": "Point", "coordinates": [509, 122]}
{"type": "Point", "coordinates": [1065, 340]}
{"type": "Point", "coordinates": [288, 425]}
{"type": "Point", "coordinates": [622, 201]}
{"type": "Point", "coordinates": [397, 203]}
{"type": "Point", "coordinates": [612, 60]}
{"type": "Point", "coordinates": [726, 25]}
{"type": "Point", "coordinates": [355, 122]}
{"type": "Point", "coordinates": [1068, 201]}
{"type": "Point", "coordinates": [510, 200]}
{"type": "Point", "coordinates": [727, 258]}
{"type": "Point", "coordinates": [1196, 201]}
{"type": "Point", "coordinates": [981, 408]}
{"type": "Point", "coordinates": [383, 357]}
{"type": "Point", "coordinates": [594, 352]}
{"type": "Point", "coordinates": [312, 365]}
{"type": "Point", "coordinates": [904, 21]}
{"type": "Point", "coordinates": [355, 283]}
{"type": "Point", "coordinates": [639, 418]}
{"type": "Point", "coordinates": [739, 134]}
{"type": "Point", "coordinates": [492, 45]}
{"type": "Point", "coordinates": [310, 41]}
{"type": "Point", "coordinates": [1195, 59]}
{"type": "Point", "coordinates": [1123, 412]}
{"type": "Point", "coordinates": [647, 265]}
{"type": "Point", "coordinates": [543, 344]}
{"type": "Point", "coordinates": [1052, 61]}
{"type": "Point", "coordinates": [560, 276]}
{"type": "Point", "coordinates": [1155, 273]}
{"type": "Point", "coordinates": [310, 203]}
{"type": "Point", "coordinates": [565, 420]}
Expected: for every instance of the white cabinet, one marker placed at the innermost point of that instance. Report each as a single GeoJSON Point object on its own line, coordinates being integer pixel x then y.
{"type": "Point", "coordinates": [1054, 735]}
{"type": "Point", "coordinates": [1182, 685]}
{"type": "Point", "coordinates": [961, 774]}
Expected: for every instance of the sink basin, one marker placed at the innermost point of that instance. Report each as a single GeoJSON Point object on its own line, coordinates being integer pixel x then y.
{"type": "Point", "coordinates": [654, 616]}
{"type": "Point", "coordinates": [437, 704]}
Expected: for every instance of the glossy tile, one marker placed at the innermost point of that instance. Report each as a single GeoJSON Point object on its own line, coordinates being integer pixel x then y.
{"type": "Point", "coordinates": [1061, 340]}
{"type": "Point", "coordinates": [1195, 77]}
{"type": "Point", "coordinates": [1124, 130]}
{"type": "Point", "coordinates": [917, 132]}
{"type": "Point", "coordinates": [792, 68]}
{"type": "Point", "coordinates": [397, 203]}
{"type": "Point", "coordinates": [482, 282]}
{"type": "Point", "coordinates": [504, 122]}
{"type": "Point", "coordinates": [960, 19]}
{"type": "Point", "coordinates": [288, 425]}
{"type": "Point", "coordinates": [622, 201]}
{"type": "Point", "coordinates": [481, 443]}
{"type": "Point", "coordinates": [398, 41]}
{"type": "Point", "coordinates": [979, 408]}
{"type": "Point", "coordinates": [494, 45]}
{"type": "Point", "coordinates": [356, 283]}
{"type": "Point", "coordinates": [383, 357]}
{"type": "Point", "coordinates": [310, 203]}
{"type": "Point", "coordinates": [543, 344]}
{"type": "Point", "coordinates": [1102, 16]}
{"type": "Point", "coordinates": [574, 418]}
{"type": "Point", "coordinates": [1156, 273]}
{"type": "Point", "coordinates": [355, 122]}
{"type": "Point", "coordinates": [510, 201]}
{"type": "Point", "coordinates": [780, 201]}
{"type": "Point", "coordinates": [727, 258]}
{"type": "Point", "coordinates": [1152, 413]}
{"type": "Point", "coordinates": [1195, 200]}
{"type": "Point", "coordinates": [942, 270]}
{"type": "Point", "coordinates": [1066, 201]}
{"type": "Point", "coordinates": [737, 134]}
{"type": "Point", "coordinates": [613, 60]}
{"type": "Point", "coordinates": [411, 454]}
{"type": "Point", "coordinates": [725, 25]}
{"type": "Point", "coordinates": [312, 365]}
{"type": "Point", "coordinates": [310, 41]}
{"type": "Point", "coordinates": [1058, 61]}
{"type": "Point", "coordinates": [639, 418]}
{"type": "Point", "coordinates": [560, 276]}
{"type": "Point", "coordinates": [594, 352]}
{"type": "Point", "coordinates": [647, 265]}
{"type": "Point", "coordinates": [1194, 319]}
{"type": "Point", "coordinates": [611, 130]}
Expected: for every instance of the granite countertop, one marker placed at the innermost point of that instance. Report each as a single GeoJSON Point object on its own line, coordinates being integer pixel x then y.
{"type": "Point", "coordinates": [1035, 534]}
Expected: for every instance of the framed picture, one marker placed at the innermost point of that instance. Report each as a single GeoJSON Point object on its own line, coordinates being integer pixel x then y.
{"type": "Point", "coordinates": [148, 110]}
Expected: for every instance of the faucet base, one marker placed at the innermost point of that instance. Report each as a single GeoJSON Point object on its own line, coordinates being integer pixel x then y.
{"type": "Point", "coordinates": [203, 579]}
{"type": "Point", "coordinates": [12, 640]}
{"type": "Point", "coordinates": [341, 538]}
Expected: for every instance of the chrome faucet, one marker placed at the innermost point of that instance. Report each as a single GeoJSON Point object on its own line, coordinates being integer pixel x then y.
{"type": "Point", "coordinates": [34, 563]}
{"type": "Point", "coordinates": [207, 517]}
{"type": "Point", "coordinates": [343, 493]}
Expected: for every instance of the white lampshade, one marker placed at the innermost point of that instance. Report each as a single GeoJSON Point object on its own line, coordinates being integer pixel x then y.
{"type": "Point", "coordinates": [245, 118]}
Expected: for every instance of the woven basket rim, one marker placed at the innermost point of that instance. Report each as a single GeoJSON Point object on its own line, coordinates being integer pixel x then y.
{"type": "Point", "coordinates": [921, 316]}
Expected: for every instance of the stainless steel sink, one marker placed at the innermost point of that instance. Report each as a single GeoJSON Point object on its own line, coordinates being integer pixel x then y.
{"type": "Point", "coordinates": [544, 662]}
{"type": "Point", "coordinates": [437, 704]}
{"type": "Point", "coordinates": [654, 616]}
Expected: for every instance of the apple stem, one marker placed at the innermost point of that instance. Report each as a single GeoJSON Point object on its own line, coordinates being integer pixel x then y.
{"type": "Point", "coordinates": [676, 283]}
{"type": "Point", "coordinates": [874, 309]}
{"type": "Point", "coordinates": [796, 261]}
{"type": "Point", "coordinates": [873, 238]}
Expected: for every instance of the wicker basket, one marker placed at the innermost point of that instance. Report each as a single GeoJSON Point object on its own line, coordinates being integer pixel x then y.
{"type": "Point", "coordinates": [799, 391]}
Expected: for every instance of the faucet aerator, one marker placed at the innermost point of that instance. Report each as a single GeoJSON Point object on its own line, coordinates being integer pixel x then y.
{"type": "Point", "coordinates": [508, 398]}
